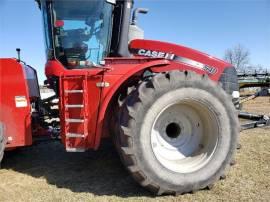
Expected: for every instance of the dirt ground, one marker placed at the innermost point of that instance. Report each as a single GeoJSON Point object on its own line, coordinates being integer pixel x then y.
{"type": "Point", "coordinates": [45, 172]}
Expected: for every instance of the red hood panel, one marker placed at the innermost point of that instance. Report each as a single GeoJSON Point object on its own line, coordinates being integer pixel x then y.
{"type": "Point", "coordinates": [142, 47]}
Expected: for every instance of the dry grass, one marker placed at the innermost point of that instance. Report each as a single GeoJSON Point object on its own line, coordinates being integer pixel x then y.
{"type": "Point", "coordinates": [46, 172]}
{"type": "Point", "coordinates": [258, 105]}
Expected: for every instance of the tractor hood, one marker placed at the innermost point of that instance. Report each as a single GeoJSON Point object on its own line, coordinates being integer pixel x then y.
{"type": "Point", "coordinates": [178, 54]}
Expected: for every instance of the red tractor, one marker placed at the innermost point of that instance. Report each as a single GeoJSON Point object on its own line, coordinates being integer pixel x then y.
{"type": "Point", "coordinates": [169, 109]}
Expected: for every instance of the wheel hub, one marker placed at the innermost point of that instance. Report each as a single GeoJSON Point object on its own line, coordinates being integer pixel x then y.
{"type": "Point", "coordinates": [173, 130]}
{"type": "Point", "coordinates": [184, 136]}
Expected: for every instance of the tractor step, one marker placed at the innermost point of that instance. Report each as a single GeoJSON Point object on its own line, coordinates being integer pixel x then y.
{"type": "Point", "coordinates": [71, 149]}
{"type": "Point", "coordinates": [74, 106]}
{"type": "Point", "coordinates": [75, 135]}
{"type": "Point", "coordinates": [74, 120]}
{"type": "Point", "coordinates": [73, 91]}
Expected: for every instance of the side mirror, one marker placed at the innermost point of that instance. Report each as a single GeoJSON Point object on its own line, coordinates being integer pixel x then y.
{"type": "Point", "coordinates": [135, 14]}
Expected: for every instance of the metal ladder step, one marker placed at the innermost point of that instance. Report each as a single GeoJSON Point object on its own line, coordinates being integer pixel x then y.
{"type": "Point", "coordinates": [71, 149]}
{"type": "Point", "coordinates": [74, 106]}
{"type": "Point", "coordinates": [75, 135]}
{"type": "Point", "coordinates": [73, 91]}
{"type": "Point", "coordinates": [74, 120]}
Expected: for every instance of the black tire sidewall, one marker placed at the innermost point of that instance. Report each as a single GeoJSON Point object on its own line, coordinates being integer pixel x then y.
{"type": "Point", "coordinates": [222, 108]}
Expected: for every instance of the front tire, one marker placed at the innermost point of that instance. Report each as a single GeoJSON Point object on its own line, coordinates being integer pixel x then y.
{"type": "Point", "coordinates": [178, 133]}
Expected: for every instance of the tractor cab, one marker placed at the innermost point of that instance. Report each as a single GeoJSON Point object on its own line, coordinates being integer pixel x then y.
{"type": "Point", "coordinates": [79, 33]}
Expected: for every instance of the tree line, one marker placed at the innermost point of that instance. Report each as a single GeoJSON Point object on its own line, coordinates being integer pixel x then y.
{"type": "Point", "coordinates": [239, 57]}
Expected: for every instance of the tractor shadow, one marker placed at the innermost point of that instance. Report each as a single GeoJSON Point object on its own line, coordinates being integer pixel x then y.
{"type": "Point", "coordinates": [100, 172]}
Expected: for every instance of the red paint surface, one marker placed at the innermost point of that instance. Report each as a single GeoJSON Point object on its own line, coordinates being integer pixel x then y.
{"type": "Point", "coordinates": [17, 121]}
{"type": "Point", "coordinates": [185, 52]}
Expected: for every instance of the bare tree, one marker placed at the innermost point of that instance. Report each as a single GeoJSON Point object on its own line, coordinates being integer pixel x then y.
{"type": "Point", "coordinates": [238, 56]}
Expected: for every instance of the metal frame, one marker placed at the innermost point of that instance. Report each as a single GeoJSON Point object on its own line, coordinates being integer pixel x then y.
{"type": "Point", "coordinates": [256, 120]}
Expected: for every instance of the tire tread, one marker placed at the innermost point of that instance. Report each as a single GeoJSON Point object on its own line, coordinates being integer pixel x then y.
{"type": "Point", "coordinates": [128, 115]}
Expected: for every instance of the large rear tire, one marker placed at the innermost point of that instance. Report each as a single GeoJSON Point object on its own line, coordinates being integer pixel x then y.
{"type": "Point", "coordinates": [178, 132]}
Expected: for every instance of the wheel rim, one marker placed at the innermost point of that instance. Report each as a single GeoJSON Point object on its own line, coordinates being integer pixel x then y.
{"type": "Point", "coordinates": [184, 136]}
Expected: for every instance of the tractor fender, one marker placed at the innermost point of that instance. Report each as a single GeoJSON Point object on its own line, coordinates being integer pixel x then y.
{"type": "Point", "coordinates": [162, 63]}
{"type": "Point", "coordinates": [155, 66]}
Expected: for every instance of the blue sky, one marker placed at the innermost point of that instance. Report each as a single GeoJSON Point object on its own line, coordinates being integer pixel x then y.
{"type": "Point", "coordinates": [211, 26]}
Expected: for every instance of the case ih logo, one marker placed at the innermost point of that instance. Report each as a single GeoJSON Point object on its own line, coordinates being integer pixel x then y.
{"type": "Point", "coordinates": [155, 54]}
{"type": "Point", "coordinates": [170, 56]}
